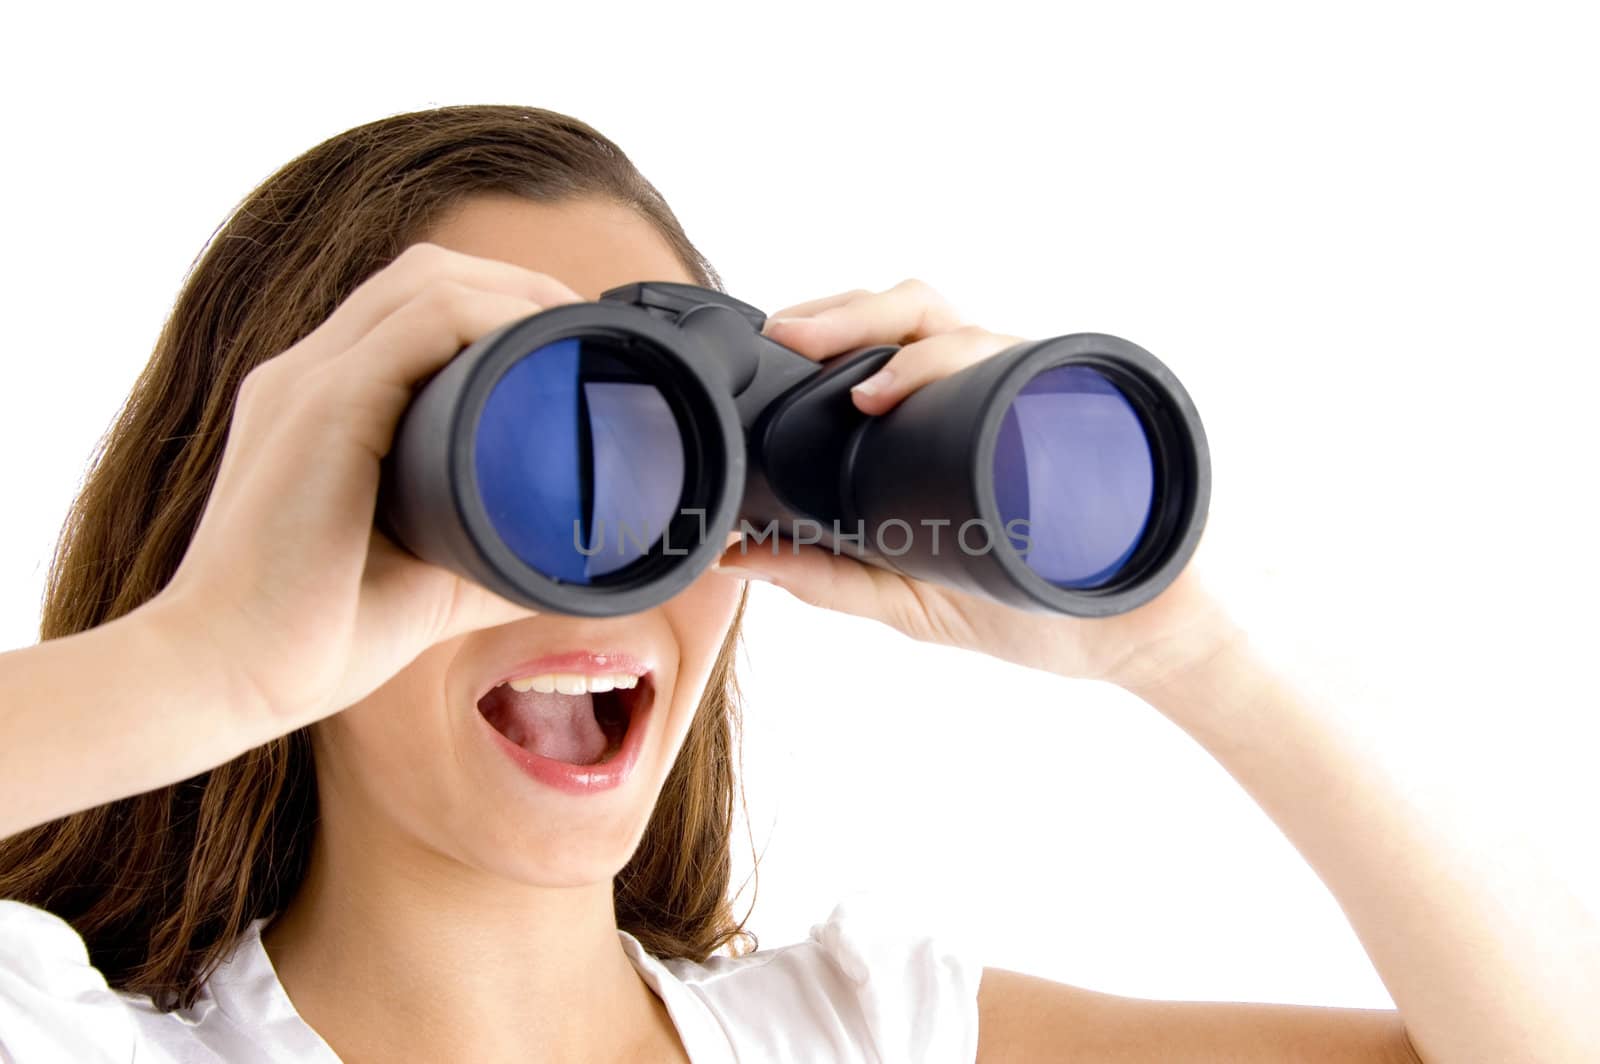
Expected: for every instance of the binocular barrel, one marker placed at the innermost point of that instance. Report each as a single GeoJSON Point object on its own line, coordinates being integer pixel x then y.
{"type": "Point", "coordinates": [593, 458]}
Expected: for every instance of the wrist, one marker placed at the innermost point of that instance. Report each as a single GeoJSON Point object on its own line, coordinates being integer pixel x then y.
{"type": "Point", "coordinates": [1219, 696]}
{"type": "Point", "coordinates": [1183, 661]}
{"type": "Point", "coordinates": [184, 642]}
{"type": "Point", "coordinates": [1175, 636]}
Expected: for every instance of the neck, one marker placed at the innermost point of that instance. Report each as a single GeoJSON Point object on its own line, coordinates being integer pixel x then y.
{"type": "Point", "coordinates": [393, 951]}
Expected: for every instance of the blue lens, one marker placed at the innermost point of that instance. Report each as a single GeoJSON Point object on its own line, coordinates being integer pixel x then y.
{"type": "Point", "coordinates": [580, 463]}
{"type": "Point", "coordinates": [1073, 476]}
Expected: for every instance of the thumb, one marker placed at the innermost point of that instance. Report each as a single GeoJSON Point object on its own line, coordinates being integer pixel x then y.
{"type": "Point", "coordinates": [819, 577]}
{"type": "Point", "coordinates": [432, 603]}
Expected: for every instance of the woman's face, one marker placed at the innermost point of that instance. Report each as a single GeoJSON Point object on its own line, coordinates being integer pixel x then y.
{"type": "Point", "coordinates": [417, 766]}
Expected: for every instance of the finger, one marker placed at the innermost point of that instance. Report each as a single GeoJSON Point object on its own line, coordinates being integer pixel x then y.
{"type": "Point", "coordinates": [422, 334]}
{"type": "Point", "coordinates": [910, 311]}
{"type": "Point", "coordinates": [407, 276]}
{"type": "Point", "coordinates": [379, 374]}
{"type": "Point", "coordinates": [805, 310]}
{"type": "Point", "coordinates": [925, 361]}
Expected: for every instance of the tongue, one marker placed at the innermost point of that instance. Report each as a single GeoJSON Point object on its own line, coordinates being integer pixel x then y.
{"type": "Point", "coordinates": [560, 727]}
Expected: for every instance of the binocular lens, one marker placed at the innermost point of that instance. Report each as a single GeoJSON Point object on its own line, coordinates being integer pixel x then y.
{"type": "Point", "coordinates": [1074, 479]}
{"type": "Point", "coordinates": [580, 460]}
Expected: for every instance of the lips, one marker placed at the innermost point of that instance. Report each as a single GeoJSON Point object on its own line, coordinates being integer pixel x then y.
{"type": "Point", "coordinates": [544, 715]}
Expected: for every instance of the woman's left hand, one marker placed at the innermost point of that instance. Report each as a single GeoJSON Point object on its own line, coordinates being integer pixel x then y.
{"type": "Point", "coordinates": [1140, 650]}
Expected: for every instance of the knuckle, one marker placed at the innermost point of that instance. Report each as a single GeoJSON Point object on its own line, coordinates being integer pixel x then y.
{"type": "Point", "coordinates": [265, 396]}
{"type": "Point", "coordinates": [413, 265]}
{"type": "Point", "coordinates": [424, 255]}
{"type": "Point", "coordinates": [918, 287]}
{"type": "Point", "coordinates": [260, 379]}
{"type": "Point", "coordinates": [417, 264]}
{"type": "Point", "coordinates": [935, 314]}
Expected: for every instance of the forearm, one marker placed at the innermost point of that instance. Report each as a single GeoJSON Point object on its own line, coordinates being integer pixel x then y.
{"type": "Point", "coordinates": [1487, 958]}
{"type": "Point", "coordinates": [122, 708]}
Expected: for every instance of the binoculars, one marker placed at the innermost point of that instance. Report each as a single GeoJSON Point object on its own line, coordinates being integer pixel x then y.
{"type": "Point", "coordinates": [591, 460]}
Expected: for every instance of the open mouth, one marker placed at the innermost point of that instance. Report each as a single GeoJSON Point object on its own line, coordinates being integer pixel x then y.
{"type": "Point", "coordinates": [573, 718]}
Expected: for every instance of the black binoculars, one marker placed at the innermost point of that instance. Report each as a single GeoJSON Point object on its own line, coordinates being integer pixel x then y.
{"type": "Point", "coordinates": [591, 460]}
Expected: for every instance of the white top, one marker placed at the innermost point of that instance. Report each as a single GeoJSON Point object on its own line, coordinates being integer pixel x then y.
{"type": "Point", "coordinates": [853, 991]}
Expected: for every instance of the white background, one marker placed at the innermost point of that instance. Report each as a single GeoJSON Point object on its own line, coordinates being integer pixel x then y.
{"type": "Point", "coordinates": [1363, 235]}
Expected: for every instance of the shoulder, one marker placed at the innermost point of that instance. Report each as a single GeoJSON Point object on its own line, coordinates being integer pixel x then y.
{"type": "Point", "coordinates": [862, 986]}
{"type": "Point", "coordinates": [55, 1005]}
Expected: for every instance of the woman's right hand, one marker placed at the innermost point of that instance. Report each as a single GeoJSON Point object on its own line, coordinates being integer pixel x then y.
{"type": "Point", "coordinates": [304, 605]}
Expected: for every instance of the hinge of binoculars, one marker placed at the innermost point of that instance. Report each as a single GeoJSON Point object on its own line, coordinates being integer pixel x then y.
{"type": "Point", "coordinates": [674, 299]}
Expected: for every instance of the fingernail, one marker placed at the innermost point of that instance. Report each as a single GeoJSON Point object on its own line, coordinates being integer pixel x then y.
{"type": "Point", "coordinates": [875, 383]}
{"type": "Point", "coordinates": [781, 321]}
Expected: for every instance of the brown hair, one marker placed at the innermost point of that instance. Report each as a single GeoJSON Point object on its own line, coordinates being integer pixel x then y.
{"type": "Point", "coordinates": [161, 884]}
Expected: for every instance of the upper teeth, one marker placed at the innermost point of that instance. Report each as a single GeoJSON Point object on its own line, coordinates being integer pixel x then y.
{"type": "Point", "coordinates": [572, 683]}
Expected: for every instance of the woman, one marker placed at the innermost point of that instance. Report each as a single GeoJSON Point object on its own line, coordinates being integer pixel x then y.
{"type": "Point", "coordinates": [288, 829]}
